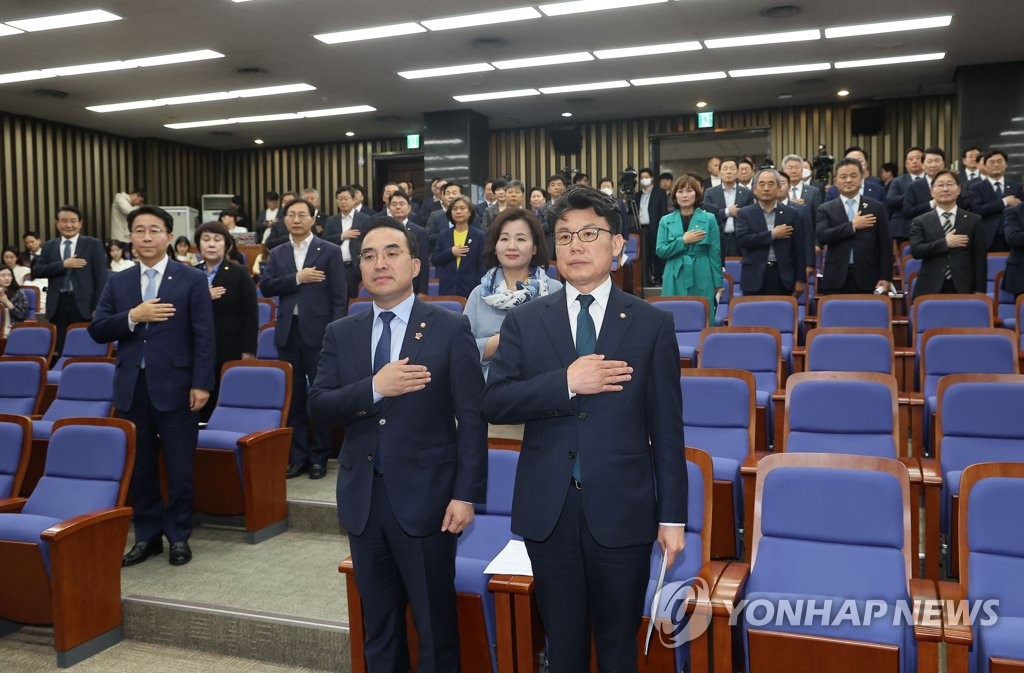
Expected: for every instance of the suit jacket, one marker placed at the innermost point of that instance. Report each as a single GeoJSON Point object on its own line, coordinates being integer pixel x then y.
{"type": "Point", "coordinates": [714, 202]}
{"type": "Point", "coordinates": [899, 225]}
{"type": "Point", "coordinates": [873, 189]}
{"type": "Point", "coordinates": [427, 459]}
{"type": "Point", "coordinates": [236, 314]}
{"type": "Point", "coordinates": [807, 226]}
{"type": "Point", "coordinates": [87, 282]}
{"type": "Point", "coordinates": [632, 463]}
{"type": "Point", "coordinates": [754, 239]}
{"type": "Point", "coordinates": [461, 280]}
{"type": "Point", "coordinates": [917, 200]}
{"type": "Point", "coordinates": [657, 207]}
{"type": "Point", "coordinates": [982, 199]}
{"type": "Point", "coordinates": [421, 283]}
{"type": "Point", "coordinates": [332, 232]}
{"type": "Point", "coordinates": [278, 235]}
{"type": "Point", "coordinates": [437, 223]}
{"type": "Point", "coordinates": [813, 198]}
{"type": "Point", "coordinates": [179, 353]}
{"type": "Point", "coordinates": [318, 303]}
{"type": "Point", "coordinates": [1013, 230]}
{"type": "Point", "coordinates": [426, 208]}
{"type": "Point", "coordinates": [872, 247]}
{"type": "Point", "coordinates": [968, 264]}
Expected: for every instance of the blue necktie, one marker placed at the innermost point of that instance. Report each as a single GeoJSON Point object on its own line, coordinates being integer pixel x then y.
{"type": "Point", "coordinates": [851, 212]}
{"type": "Point", "coordinates": [586, 342]}
{"type": "Point", "coordinates": [999, 189]}
{"type": "Point", "coordinates": [147, 294]}
{"type": "Point", "coordinates": [65, 285]}
{"type": "Point", "coordinates": [382, 354]}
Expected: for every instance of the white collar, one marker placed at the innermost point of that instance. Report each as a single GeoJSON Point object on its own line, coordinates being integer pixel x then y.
{"type": "Point", "coordinates": [599, 293]}
{"type": "Point", "coordinates": [161, 266]}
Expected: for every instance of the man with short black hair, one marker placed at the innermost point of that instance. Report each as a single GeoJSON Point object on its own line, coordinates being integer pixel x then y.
{"type": "Point", "coordinates": [265, 219]}
{"type": "Point", "coordinates": [437, 186]}
{"type": "Point", "coordinates": [970, 166]}
{"type": "Point", "coordinates": [918, 199]}
{"type": "Point", "coordinates": [651, 205]}
{"type": "Point", "coordinates": [772, 242]}
{"type": "Point", "coordinates": [489, 198]}
{"type": "Point", "coordinates": [344, 230]}
{"type": "Point", "coordinates": [991, 196]}
{"type": "Point", "coordinates": [725, 202]}
{"type": "Point", "coordinates": [124, 203]}
{"type": "Point", "coordinates": [899, 225]}
{"type": "Point", "coordinates": [745, 173]}
{"type": "Point", "coordinates": [398, 206]}
{"type": "Point", "coordinates": [278, 232]}
{"type": "Point", "coordinates": [871, 186]}
{"type": "Point", "coordinates": [439, 218]}
{"type": "Point", "coordinates": [33, 248]}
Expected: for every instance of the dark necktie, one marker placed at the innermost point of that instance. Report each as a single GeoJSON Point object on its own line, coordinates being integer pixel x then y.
{"type": "Point", "coordinates": [65, 285]}
{"type": "Point", "coordinates": [382, 354]}
{"type": "Point", "coordinates": [999, 189]}
{"type": "Point", "coordinates": [586, 342]}
{"type": "Point", "coordinates": [947, 227]}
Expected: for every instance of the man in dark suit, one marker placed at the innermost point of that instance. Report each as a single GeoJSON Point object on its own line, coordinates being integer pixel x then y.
{"type": "Point", "coordinates": [278, 231]}
{"type": "Point", "coordinates": [398, 206]}
{"type": "Point", "coordinates": [409, 188]}
{"type": "Point", "coordinates": [724, 202]}
{"type": "Point", "coordinates": [899, 225]}
{"type": "Point", "coordinates": [918, 199]}
{"type": "Point", "coordinates": [431, 203]}
{"type": "Point", "coordinates": [871, 187]}
{"type": "Point", "coordinates": [950, 241]}
{"type": "Point", "coordinates": [592, 372]}
{"type": "Point", "coordinates": [713, 179]}
{"type": "Point", "coordinates": [855, 231]}
{"type": "Point", "coordinates": [811, 248]}
{"type": "Point", "coordinates": [970, 167]}
{"type": "Point", "coordinates": [1013, 228]}
{"type": "Point", "coordinates": [77, 268]}
{"type": "Point", "coordinates": [771, 239]}
{"type": "Point", "coordinates": [991, 196]}
{"type": "Point", "coordinates": [33, 248]}
{"type": "Point", "coordinates": [799, 193]}
{"type": "Point", "coordinates": [161, 316]}
{"type": "Point", "coordinates": [438, 221]}
{"type": "Point", "coordinates": [344, 230]}
{"type": "Point", "coordinates": [651, 205]}
{"type": "Point", "coordinates": [404, 380]}
{"type": "Point", "coordinates": [308, 278]}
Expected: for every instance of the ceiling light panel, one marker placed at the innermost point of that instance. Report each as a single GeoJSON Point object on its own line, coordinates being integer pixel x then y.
{"type": "Point", "coordinates": [64, 20]}
{"type": "Point", "coordinates": [914, 58]}
{"type": "Point", "coordinates": [203, 97]}
{"type": "Point", "coordinates": [121, 107]}
{"type": "Point", "coordinates": [88, 68]}
{"type": "Point", "coordinates": [580, 6]}
{"type": "Point", "coordinates": [285, 116]}
{"type": "Point", "coordinates": [678, 79]}
{"type": "Point", "coordinates": [171, 59]}
{"type": "Point", "coordinates": [378, 32]}
{"type": "Point", "coordinates": [517, 93]}
{"type": "Point", "coordinates": [593, 86]}
{"type": "Point", "coordinates": [889, 26]}
{"type": "Point", "coordinates": [24, 76]}
{"type": "Point", "coordinates": [70, 70]}
{"type": "Point", "coordinates": [779, 70]}
{"type": "Point", "coordinates": [649, 50]}
{"type": "Point", "coordinates": [449, 70]}
{"type": "Point", "coordinates": [7, 30]}
{"type": "Point", "coordinates": [778, 39]}
{"type": "Point", "coordinates": [482, 18]}
{"type": "Point", "coordinates": [334, 112]}
{"type": "Point", "coordinates": [535, 61]}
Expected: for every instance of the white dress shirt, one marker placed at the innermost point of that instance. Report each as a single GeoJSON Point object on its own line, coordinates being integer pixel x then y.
{"type": "Point", "coordinates": [161, 269]}
{"type": "Point", "coordinates": [299, 251]}
{"type": "Point", "coordinates": [346, 224]}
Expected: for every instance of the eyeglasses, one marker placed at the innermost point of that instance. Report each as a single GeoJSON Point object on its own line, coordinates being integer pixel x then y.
{"type": "Point", "coordinates": [390, 255]}
{"type": "Point", "coordinates": [298, 216]}
{"type": "Point", "coordinates": [586, 235]}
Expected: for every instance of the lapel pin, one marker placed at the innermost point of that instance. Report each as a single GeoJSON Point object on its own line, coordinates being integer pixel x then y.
{"type": "Point", "coordinates": [169, 277]}
{"type": "Point", "coordinates": [418, 336]}
{"type": "Point", "coordinates": [423, 324]}
{"type": "Point", "coordinates": [622, 316]}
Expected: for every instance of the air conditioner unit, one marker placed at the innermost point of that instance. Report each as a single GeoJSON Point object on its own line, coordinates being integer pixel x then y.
{"type": "Point", "coordinates": [213, 204]}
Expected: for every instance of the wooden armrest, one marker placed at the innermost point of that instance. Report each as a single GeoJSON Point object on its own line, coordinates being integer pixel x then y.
{"type": "Point", "coordinates": [12, 505]}
{"type": "Point", "coordinates": [82, 522]}
{"type": "Point", "coordinates": [35, 417]}
{"type": "Point", "coordinates": [255, 439]}
{"type": "Point", "coordinates": [498, 584]}
{"type": "Point", "coordinates": [930, 472]}
{"type": "Point", "coordinates": [928, 621]}
{"type": "Point", "coordinates": [347, 567]}
{"type": "Point", "coordinates": [729, 587]}
{"type": "Point", "coordinates": [779, 395]}
{"type": "Point", "coordinates": [955, 631]}
{"type": "Point", "coordinates": [520, 584]}
{"type": "Point", "coordinates": [913, 468]}
{"type": "Point", "coordinates": [749, 464]}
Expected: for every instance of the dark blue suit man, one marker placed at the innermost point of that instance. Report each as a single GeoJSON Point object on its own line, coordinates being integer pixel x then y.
{"type": "Point", "coordinates": [458, 279]}
{"type": "Point", "coordinates": [404, 380]}
{"type": "Point", "coordinates": [161, 315]}
{"type": "Point", "coordinates": [309, 296]}
{"type": "Point", "coordinates": [774, 259]}
{"type": "Point", "coordinates": [873, 189]}
{"type": "Point", "coordinates": [899, 225]}
{"type": "Point", "coordinates": [589, 525]}
{"type": "Point", "coordinates": [984, 200]}
{"type": "Point", "coordinates": [714, 202]}
{"type": "Point", "coordinates": [344, 230]}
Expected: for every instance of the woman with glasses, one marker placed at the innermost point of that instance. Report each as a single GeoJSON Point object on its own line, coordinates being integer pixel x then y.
{"type": "Point", "coordinates": [456, 257]}
{"type": "Point", "coordinates": [516, 259]}
{"type": "Point", "coordinates": [688, 241]}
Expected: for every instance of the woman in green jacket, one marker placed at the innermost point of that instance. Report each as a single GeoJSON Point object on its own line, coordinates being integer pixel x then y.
{"type": "Point", "coordinates": [688, 241]}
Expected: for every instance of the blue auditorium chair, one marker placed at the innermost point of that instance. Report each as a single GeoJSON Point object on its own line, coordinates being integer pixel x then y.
{"type": "Point", "coordinates": [991, 564]}
{"type": "Point", "coordinates": [689, 316]}
{"type": "Point", "coordinates": [62, 547]}
{"type": "Point", "coordinates": [1005, 304]}
{"type": "Point", "coordinates": [33, 294]}
{"type": "Point", "coordinates": [836, 530]}
{"type": "Point", "coordinates": [242, 453]}
{"type": "Point", "coordinates": [34, 338]}
{"type": "Point", "coordinates": [267, 311]}
{"type": "Point", "coordinates": [949, 310]}
{"type": "Point", "coordinates": [722, 309]}
{"type": "Point", "coordinates": [451, 302]}
{"type": "Point", "coordinates": [850, 349]}
{"type": "Point", "coordinates": [855, 310]}
{"type": "Point", "coordinates": [265, 347]}
{"type": "Point", "coordinates": [781, 313]}
{"type": "Point", "coordinates": [22, 384]}
{"type": "Point", "coordinates": [996, 264]}
{"type": "Point", "coordinates": [734, 267]}
{"type": "Point", "coordinates": [77, 344]}
{"type": "Point", "coordinates": [719, 419]}
{"type": "Point", "coordinates": [357, 305]}
{"type": "Point", "coordinates": [15, 444]}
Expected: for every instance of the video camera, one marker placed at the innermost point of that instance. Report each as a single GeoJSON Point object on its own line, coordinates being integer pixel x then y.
{"type": "Point", "coordinates": [822, 165]}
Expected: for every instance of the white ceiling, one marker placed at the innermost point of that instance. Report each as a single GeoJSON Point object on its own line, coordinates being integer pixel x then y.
{"type": "Point", "coordinates": [276, 37]}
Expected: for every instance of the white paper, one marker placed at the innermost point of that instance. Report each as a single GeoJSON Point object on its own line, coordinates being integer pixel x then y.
{"type": "Point", "coordinates": [656, 600]}
{"type": "Point", "coordinates": [512, 560]}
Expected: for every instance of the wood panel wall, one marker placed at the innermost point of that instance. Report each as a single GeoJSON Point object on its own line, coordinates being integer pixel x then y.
{"type": "Point", "coordinates": [608, 147]}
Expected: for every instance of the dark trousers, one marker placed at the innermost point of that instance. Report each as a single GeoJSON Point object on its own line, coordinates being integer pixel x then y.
{"type": "Point", "coordinates": [729, 247]}
{"type": "Point", "coordinates": [653, 264]}
{"type": "Point", "coordinates": [67, 313]}
{"type": "Point", "coordinates": [771, 283]}
{"type": "Point", "coordinates": [304, 361]}
{"type": "Point", "coordinates": [174, 433]}
{"type": "Point", "coordinates": [849, 286]}
{"type": "Point", "coordinates": [581, 586]}
{"type": "Point", "coordinates": [394, 569]}
{"type": "Point", "coordinates": [352, 278]}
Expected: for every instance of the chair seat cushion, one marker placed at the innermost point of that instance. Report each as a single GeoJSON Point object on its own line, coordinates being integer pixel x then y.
{"type": "Point", "coordinates": [1004, 640]}
{"type": "Point", "coordinates": [725, 469]}
{"type": "Point", "coordinates": [41, 429]}
{"type": "Point", "coordinates": [687, 351]}
{"type": "Point", "coordinates": [838, 624]}
{"type": "Point", "coordinates": [24, 527]}
{"type": "Point", "coordinates": [762, 398]}
{"type": "Point", "coordinates": [219, 439]}
{"type": "Point", "coordinates": [53, 377]}
{"type": "Point", "coordinates": [485, 537]}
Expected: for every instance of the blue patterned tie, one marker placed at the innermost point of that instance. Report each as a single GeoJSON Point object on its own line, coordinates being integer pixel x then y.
{"type": "Point", "coordinates": [65, 285]}
{"type": "Point", "coordinates": [149, 293]}
{"type": "Point", "coordinates": [382, 354]}
{"type": "Point", "coordinates": [586, 342]}
{"type": "Point", "coordinates": [999, 189]}
{"type": "Point", "coordinates": [851, 212]}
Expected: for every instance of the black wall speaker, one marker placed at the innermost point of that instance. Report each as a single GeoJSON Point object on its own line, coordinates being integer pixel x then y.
{"type": "Point", "coordinates": [566, 139]}
{"type": "Point", "coordinates": [866, 121]}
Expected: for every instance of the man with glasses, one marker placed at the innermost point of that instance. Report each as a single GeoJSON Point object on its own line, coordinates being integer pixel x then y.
{"type": "Point", "coordinates": [165, 372]}
{"type": "Point", "coordinates": [593, 373]}
{"type": "Point", "coordinates": [950, 241]}
{"type": "Point", "coordinates": [308, 278]}
{"type": "Point", "coordinates": [771, 238]}
{"type": "Point", "coordinates": [404, 380]}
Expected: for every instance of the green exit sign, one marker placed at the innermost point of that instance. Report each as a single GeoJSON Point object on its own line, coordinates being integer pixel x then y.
{"type": "Point", "coordinates": [706, 120]}
{"type": "Point", "coordinates": [412, 141]}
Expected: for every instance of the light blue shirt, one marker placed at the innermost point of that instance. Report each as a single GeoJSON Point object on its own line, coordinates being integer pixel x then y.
{"type": "Point", "coordinates": [399, 324]}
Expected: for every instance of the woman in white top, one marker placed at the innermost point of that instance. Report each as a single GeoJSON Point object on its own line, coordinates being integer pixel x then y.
{"type": "Point", "coordinates": [115, 257]}
{"type": "Point", "coordinates": [11, 262]}
{"type": "Point", "coordinates": [229, 218]}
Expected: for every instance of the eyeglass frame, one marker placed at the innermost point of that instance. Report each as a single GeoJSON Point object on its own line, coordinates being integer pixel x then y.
{"type": "Point", "coordinates": [577, 233]}
{"type": "Point", "coordinates": [365, 255]}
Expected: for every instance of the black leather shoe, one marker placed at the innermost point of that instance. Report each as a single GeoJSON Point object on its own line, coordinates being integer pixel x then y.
{"type": "Point", "coordinates": [180, 553]}
{"type": "Point", "coordinates": [295, 470]}
{"type": "Point", "coordinates": [141, 551]}
{"type": "Point", "coordinates": [317, 471]}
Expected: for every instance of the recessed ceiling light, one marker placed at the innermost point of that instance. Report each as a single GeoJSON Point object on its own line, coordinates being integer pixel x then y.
{"type": "Point", "coordinates": [517, 93]}
{"type": "Point", "coordinates": [195, 98]}
{"type": "Point", "coordinates": [779, 70]}
{"type": "Point", "coordinates": [88, 68]}
{"type": "Point", "coordinates": [258, 141]}
{"type": "Point", "coordinates": [121, 107]}
{"type": "Point", "coordinates": [769, 38]}
{"type": "Point", "coordinates": [579, 6]}
{"type": "Point", "coordinates": [7, 30]}
{"type": "Point", "coordinates": [449, 70]}
{"type": "Point", "coordinates": [203, 97]}
{"type": "Point", "coordinates": [64, 20]}
{"type": "Point", "coordinates": [371, 33]}
{"type": "Point", "coordinates": [590, 86]}
{"type": "Point", "coordinates": [482, 18]}
{"type": "Point", "coordinates": [649, 50]}
{"type": "Point", "coordinates": [24, 76]}
{"type": "Point", "coordinates": [336, 111]}
{"type": "Point", "coordinates": [676, 79]}
{"type": "Point", "coordinates": [566, 114]}
{"type": "Point", "coordinates": [785, 96]}
{"type": "Point", "coordinates": [285, 116]}
{"type": "Point", "coordinates": [255, 119]}
{"type": "Point", "coordinates": [170, 59]}
{"type": "Point", "coordinates": [534, 61]}
{"type": "Point", "coordinates": [273, 90]}
{"type": "Point", "coordinates": [889, 26]}
{"type": "Point", "coordinates": [350, 133]}
{"type": "Point", "coordinates": [915, 58]}
{"type": "Point", "coordinates": [843, 92]}
{"type": "Point", "coordinates": [195, 125]}
{"type": "Point", "coordinates": [702, 103]}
